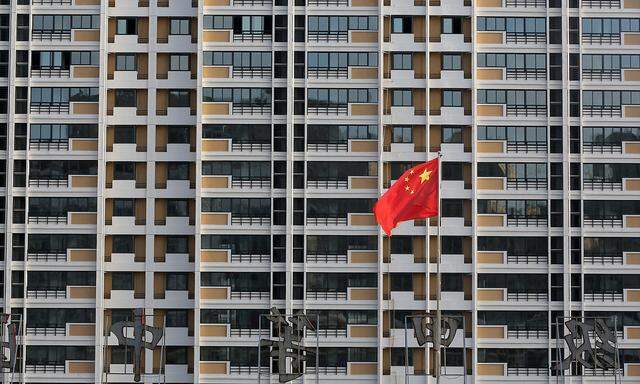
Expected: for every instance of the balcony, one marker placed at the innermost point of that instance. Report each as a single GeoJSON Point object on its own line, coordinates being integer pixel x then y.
{"type": "Point", "coordinates": [251, 36]}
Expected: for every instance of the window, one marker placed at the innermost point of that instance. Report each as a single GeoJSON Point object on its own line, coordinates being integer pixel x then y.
{"type": "Point", "coordinates": [125, 98]}
{"type": "Point", "coordinates": [451, 25]}
{"type": "Point", "coordinates": [177, 208]}
{"type": "Point", "coordinates": [402, 61]}
{"type": "Point", "coordinates": [402, 98]}
{"type": "Point", "coordinates": [123, 207]}
{"type": "Point", "coordinates": [402, 24]}
{"type": "Point", "coordinates": [402, 134]}
{"type": "Point", "coordinates": [123, 244]}
{"type": "Point", "coordinates": [179, 62]}
{"type": "Point", "coordinates": [555, 66]}
{"type": "Point", "coordinates": [177, 318]}
{"type": "Point", "coordinates": [179, 98]}
{"type": "Point", "coordinates": [20, 136]}
{"type": "Point", "coordinates": [21, 100]}
{"type": "Point", "coordinates": [4, 27]}
{"type": "Point", "coordinates": [85, 58]}
{"type": "Point", "coordinates": [22, 64]}
{"type": "Point", "coordinates": [179, 27]}
{"type": "Point", "coordinates": [124, 134]}
{"type": "Point", "coordinates": [4, 63]}
{"type": "Point", "coordinates": [451, 98]}
{"type": "Point", "coordinates": [126, 26]}
{"type": "Point", "coordinates": [125, 62]}
{"type": "Point", "coordinates": [23, 27]}
{"type": "Point", "coordinates": [555, 30]}
{"type": "Point", "coordinates": [452, 135]}
{"type": "Point", "coordinates": [178, 134]}
{"type": "Point", "coordinates": [177, 281]}
{"type": "Point", "coordinates": [555, 102]}
{"type": "Point", "coordinates": [451, 61]}
{"type": "Point", "coordinates": [217, 22]}
{"type": "Point", "coordinates": [122, 281]}
{"type": "Point", "coordinates": [124, 170]}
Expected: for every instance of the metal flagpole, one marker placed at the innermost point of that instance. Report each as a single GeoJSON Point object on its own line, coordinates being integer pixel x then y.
{"type": "Point", "coordinates": [437, 336]}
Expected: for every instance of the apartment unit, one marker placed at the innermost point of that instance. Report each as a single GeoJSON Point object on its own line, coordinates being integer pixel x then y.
{"type": "Point", "coordinates": [206, 161]}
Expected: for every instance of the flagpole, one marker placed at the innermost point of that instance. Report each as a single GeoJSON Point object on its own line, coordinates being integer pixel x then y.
{"type": "Point", "coordinates": [438, 327]}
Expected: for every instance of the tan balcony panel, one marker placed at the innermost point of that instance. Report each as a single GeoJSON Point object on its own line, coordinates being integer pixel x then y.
{"type": "Point", "coordinates": [216, 36]}
{"type": "Point", "coordinates": [82, 292]}
{"type": "Point", "coordinates": [491, 294]}
{"type": "Point", "coordinates": [491, 183]}
{"type": "Point", "coordinates": [495, 110]}
{"type": "Point", "coordinates": [489, 37]}
{"type": "Point", "coordinates": [216, 108]}
{"type": "Point", "coordinates": [364, 182]}
{"type": "Point", "coordinates": [491, 332]}
{"type": "Point", "coordinates": [633, 370]}
{"type": "Point", "coordinates": [215, 182]}
{"type": "Point", "coordinates": [82, 255]}
{"type": "Point", "coordinates": [491, 369]}
{"type": "Point", "coordinates": [209, 218]}
{"type": "Point", "coordinates": [86, 35]}
{"type": "Point", "coordinates": [217, 3]}
{"type": "Point", "coordinates": [362, 219]}
{"type": "Point", "coordinates": [363, 294]}
{"type": "Point", "coordinates": [85, 330]}
{"type": "Point", "coordinates": [632, 184]}
{"type": "Point", "coordinates": [633, 333]}
{"type": "Point", "coordinates": [215, 72]}
{"type": "Point", "coordinates": [85, 108]}
{"type": "Point", "coordinates": [215, 145]}
{"type": "Point", "coordinates": [86, 72]}
{"type": "Point", "coordinates": [84, 145]}
{"type": "Point", "coordinates": [84, 218]}
{"type": "Point", "coordinates": [489, 74]}
{"type": "Point", "coordinates": [632, 258]}
{"type": "Point", "coordinates": [214, 256]}
{"type": "Point", "coordinates": [81, 367]}
{"type": "Point", "coordinates": [631, 38]}
{"type": "Point", "coordinates": [632, 221]}
{"type": "Point", "coordinates": [213, 293]}
{"type": "Point", "coordinates": [84, 181]}
{"type": "Point", "coordinates": [490, 220]}
{"type": "Point", "coordinates": [631, 4]}
{"type": "Point", "coordinates": [364, 73]}
{"type": "Point", "coordinates": [490, 257]}
{"type": "Point", "coordinates": [364, 3]}
{"type": "Point", "coordinates": [632, 74]}
{"type": "Point", "coordinates": [364, 146]}
{"type": "Point", "coordinates": [213, 367]}
{"type": "Point", "coordinates": [86, 2]}
{"type": "Point", "coordinates": [632, 111]}
{"type": "Point", "coordinates": [363, 368]}
{"type": "Point", "coordinates": [213, 330]}
{"type": "Point", "coordinates": [368, 257]}
{"type": "Point", "coordinates": [633, 295]}
{"type": "Point", "coordinates": [489, 3]}
{"type": "Point", "coordinates": [631, 147]}
{"type": "Point", "coordinates": [364, 109]}
{"type": "Point", "coordinates": [490, 147]}
{"type": "Point", "coordinates": [364, 37]}
{"type": "Point", "coordinates": [363, 331]}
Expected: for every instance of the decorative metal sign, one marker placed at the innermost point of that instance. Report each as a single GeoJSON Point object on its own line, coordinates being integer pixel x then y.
{"type": "Point", "coordinates": [10, 346]}
{"type": "Point", "coordinates": [138, 341]}
{"type": "Point", "coordinates": [423, 327]}
{"type": "Point", "coordinates": [287, 347]}
{"type": "Point", "coordinates": [602, 354]}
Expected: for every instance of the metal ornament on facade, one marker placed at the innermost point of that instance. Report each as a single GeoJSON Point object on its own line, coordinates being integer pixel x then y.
{"type": "Point", "coordinates": [426, 332]}
{"type": "Point", "coordinates": [9, 348]}
{"type": "Point", "coordinates": [602, 354]}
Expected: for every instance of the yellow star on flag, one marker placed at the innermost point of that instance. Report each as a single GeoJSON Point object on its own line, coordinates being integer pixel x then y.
{"type": "Point", "coordinates": [424, 176]}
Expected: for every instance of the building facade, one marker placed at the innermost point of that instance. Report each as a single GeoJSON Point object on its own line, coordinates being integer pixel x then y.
{"type": "Point", "coordinates": [206, 161]}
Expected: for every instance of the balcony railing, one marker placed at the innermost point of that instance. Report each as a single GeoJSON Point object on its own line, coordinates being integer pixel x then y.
{"type": "Point", "coordinates": [525, 3]}
{"type": "Point", "coordinates": [248, 332]}
{"type": "Point", "coordinates": [526, 183]}
{"type": "Point", "coordinates": [526, 221]}
{"type": "Point", "coordinates": [47, 220]}
{"type": "Point", "coordinates": [329, 110]}
{"type": "Point", "coordinates": [326, 332]}
{"type": "Point", "coordinates": [246, 370]}
{"type": "Point", "coordinates": [251, 36]}
{"type": "Point", "coordinates": [526, 73]}
{"type": "Point", "coordinates": [46, 331]}
{"type": "Point", "coordinates": [326, 370]}
{"type": "Point", "coordinates": [252, 72]}
{"type": "Point", "coordinates": [48, 182]}
{"type": "Point", "coordinates": [246, 258]}
{"type": "Point", "coordinates": [250, 182]}
{"type": "Point", "coordinates": [242, 295]}
{"type": "Point", "coordinates": [46, 294]}
{"type": "Point", "coordinates": [51, 35]}
{"type": "Point", "coordinates": [601, 185]}
{"type": "Point", "coordinates": [326, 221]}
{"type": "Point", "coordinates": [252, 2]}
{"type": "Point", "coordinates": [602, 147]}
{"type": "Point", "coordinates": [600, 3]}
{"type": "Point", "coordinates": [605, 222]}
{"type": "Point", "coordinates": [603, 296]}
{"type": "Point", "coordinates": [328, 184]}
{"type": "Point", "coordinates": [46, 257]}
{"type": "Point", "coordinates": [328, 73]}
{"type": "Point", "coordinates": [44, 368]}
{"type": "Point", "coordinates": [328, 37]}
{"type": "Point", "coordinates": [243, 220]}
{"type": "Point", "coordinates": [526, 110]}
{"type": "Point", "coordinates": [325, 258]}
{"type": "Point", "coordinates": [51, 72]}
{"type": "Point", "coordinates": [49, 107]}
{"type": "Point", "coordinates": [252, 109]}
{"type": "Point", "coordinates": [527, 296]}
{"type": "Point", "coordinates": [526, 333]}
{"type": "Point", "coordinates": [527, 146]}
{"type": "Point", "coordinates": [49, 145]}
{"type": "Point", "coordinates": [328, 147]}
{"type": "Point", "coordinates": [527, 371]}
{"type": "Point", "coordinates": [526, 37]}
{"type": "Point", "coordinates": [322, 295]}
{"type": "Point", "coordinates": [239, 146]}
{"type": "Point", "coordinates": [602, 110]}
{"type": "Point", "coordinates": [601, 38]}
{"type": "Point", "coordinates": [527, 259]}
{"type": "Point", "coordinates": [602, 74]}
{"type": "Point", "coordinates": [327, 3]}
{"type": "Point", "coordinates": [51, 2]}
{"type": "Point", "coordinates": [615, 259]}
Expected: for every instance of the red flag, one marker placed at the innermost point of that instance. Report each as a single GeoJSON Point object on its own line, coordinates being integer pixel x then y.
{"type": "Point", "coordinates": [413, 196]}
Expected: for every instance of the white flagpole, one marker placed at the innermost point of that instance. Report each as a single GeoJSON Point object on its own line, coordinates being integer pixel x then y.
{"type": "Point", "coordinates": [437, 336]}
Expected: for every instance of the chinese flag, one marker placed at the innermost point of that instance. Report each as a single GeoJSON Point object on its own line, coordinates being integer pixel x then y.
{"type": "Point", "coordinates": [413, 196]}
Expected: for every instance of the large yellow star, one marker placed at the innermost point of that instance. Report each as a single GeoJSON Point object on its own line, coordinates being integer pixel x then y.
{"type": "Point", "coordinates": [424, 176]}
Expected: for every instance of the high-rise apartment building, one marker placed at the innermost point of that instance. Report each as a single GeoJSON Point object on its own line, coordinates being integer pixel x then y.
{"type": "Point", "coordinates": [206, 161]}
